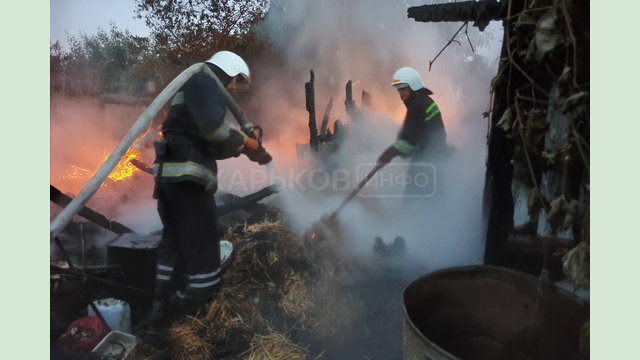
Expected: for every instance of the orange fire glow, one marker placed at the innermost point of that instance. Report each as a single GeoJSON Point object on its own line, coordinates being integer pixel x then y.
{"type": "Point", "coordinates": [123, 169]}
{"type": "Point", "coordinates": [77, 172]}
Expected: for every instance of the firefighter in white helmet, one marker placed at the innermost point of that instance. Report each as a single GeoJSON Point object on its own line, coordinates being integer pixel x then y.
{"type": "Point", "coordinates": [198, 130]}
{"type": "Point", "coordinates": [422, 135]}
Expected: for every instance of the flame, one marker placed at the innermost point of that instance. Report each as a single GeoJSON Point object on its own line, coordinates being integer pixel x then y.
{"type": "Point", "coordinates": [125, 168]}
{"type": "Point", "coordinates": [78, 172]}
{"type": "Point", "coordinates": [122, 170]}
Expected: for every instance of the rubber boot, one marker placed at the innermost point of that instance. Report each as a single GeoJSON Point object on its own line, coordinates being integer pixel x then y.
{"type": "Point", "coordinates": [158, 311]}
{"type": "Point", "coordinates": [379, 247]}
{"type": "Point", "coordinates": [398, 247]}
{"type": "Point", "coordinates": [198, 300]}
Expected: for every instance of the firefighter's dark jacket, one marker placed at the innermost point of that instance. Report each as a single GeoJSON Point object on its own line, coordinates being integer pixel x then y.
{"type": "Point", "coordinates": [423, 131]}
{"type": "Point", "coordinates": [198, 131]}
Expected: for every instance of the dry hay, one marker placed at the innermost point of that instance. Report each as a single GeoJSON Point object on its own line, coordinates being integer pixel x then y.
{"type": "Point", "coordinates": [298, 302]}
{"type": "Point", "coordinates": [275, 346]}
{"type": "Point", "coordinates": [274, 279]}
{"type": "Point", "coordinates": [320, 306]}
{"type": "Point", "coordinates": [227, 315]}
{"type": "Point", "coordinates": [333, 308]}
{"type": "Point", "coordinates": [264, 254]}
{"type": "Point", "coordinates": [190, 340]}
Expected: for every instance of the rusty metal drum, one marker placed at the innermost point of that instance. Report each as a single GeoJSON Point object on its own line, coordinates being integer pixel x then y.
{"type": "Point", "coordinates": [487, 312]}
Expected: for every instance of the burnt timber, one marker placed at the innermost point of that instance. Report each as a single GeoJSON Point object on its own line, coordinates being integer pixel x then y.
{"type": "Point", "coordinates": [311, 108]}
{"type": "Point", "coordinates": [480, 12]}
{"type": "Point", "coordinates": [58, 198]}
{"type": "Point", "coordinates": [246, 202]}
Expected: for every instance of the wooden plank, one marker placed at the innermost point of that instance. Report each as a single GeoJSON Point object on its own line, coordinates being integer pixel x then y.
{"type": "Point", "coordinates": [57, 197]}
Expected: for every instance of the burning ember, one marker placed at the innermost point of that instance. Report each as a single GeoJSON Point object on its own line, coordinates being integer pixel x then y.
{"type": "Point", "coordinates": [123, 170]}
{"type": "Point", "coordinates": [78, 173]}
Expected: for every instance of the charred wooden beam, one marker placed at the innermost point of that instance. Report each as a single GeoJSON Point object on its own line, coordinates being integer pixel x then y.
{"type": "Point", "coordinates": [480, 12]}
{"type": "Point", "coordinates": [63, 200]}
{"type": "Point", "coordinates": [73, 271]}
{"type": "Point", "coordinates": [243, 202]}
{"type": "Point", "coordinates": [337, 125]}
{"type": "Point", "coordinates": [311, 108]}
{"type": "Point", "coordinates": [349, 104]}
{"type": "Point", "coordinates": [325, 118]}
{"type": "Point", "coordinates": [141, 166]}
{"type": "Point", "coordinates": [366, 99]}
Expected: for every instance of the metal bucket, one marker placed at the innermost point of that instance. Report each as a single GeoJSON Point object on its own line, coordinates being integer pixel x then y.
{"type": "Point", "coordinates": [486, 312]}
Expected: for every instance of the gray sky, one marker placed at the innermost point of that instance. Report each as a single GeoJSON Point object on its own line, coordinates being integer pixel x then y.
{"type": "Point", "coordinates": [75, 16]}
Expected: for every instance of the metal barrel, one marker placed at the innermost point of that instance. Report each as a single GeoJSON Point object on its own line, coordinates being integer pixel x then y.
{"type": "Point", "coordinates": [487, 312]}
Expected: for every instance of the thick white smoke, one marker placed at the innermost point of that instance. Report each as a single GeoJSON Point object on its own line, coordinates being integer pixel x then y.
{"type": "Point", "coordinates": [366, 41]}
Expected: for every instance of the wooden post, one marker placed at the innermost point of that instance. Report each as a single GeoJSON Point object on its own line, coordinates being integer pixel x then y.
{"type": "Point", "coordinates": [311, 108]}
{"type": "Point", "coordinates": [63, 200]}
{"type": "Point", "coordinates": [366, 99]}
{"type": "Point", "coordinates": [349, 104]}
{"type": "Point", "coordinates": [325, 119]}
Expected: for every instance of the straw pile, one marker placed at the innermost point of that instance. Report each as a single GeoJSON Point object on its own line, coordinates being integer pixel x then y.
{"type": "Point", "coordinates": [190, 340]}
{"type": "Point", "coordinates": [276, 284]}
{"type": "Point", "coordinates": [275, 346]}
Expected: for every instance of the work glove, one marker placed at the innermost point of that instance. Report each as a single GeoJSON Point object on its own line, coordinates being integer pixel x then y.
{"type": "Point", "coordinates": [387, 155]}
{"type": "Point", "coordinates": [255, 151]}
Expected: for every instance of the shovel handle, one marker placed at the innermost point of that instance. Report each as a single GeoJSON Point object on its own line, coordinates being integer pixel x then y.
{"type": "Point", "coordinates": [355, 191]}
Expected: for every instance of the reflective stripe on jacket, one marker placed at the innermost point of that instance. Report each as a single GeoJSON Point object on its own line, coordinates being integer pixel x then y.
{"type": "Point", "coordinates": [423, 129]}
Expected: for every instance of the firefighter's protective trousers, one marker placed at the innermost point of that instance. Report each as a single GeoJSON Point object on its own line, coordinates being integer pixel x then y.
{"type": "Point", "coordinates": [190, 240]}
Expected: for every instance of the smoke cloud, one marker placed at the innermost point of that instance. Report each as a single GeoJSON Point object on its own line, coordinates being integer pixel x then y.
{"type": "Point", "coordinates": [366, 41]}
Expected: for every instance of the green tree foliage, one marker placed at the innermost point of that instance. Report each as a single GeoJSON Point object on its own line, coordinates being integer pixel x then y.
{"type": "Point", "coordinates": [182, 32]}
{"type": "Point", "coordinates": [191, 30]}
{"type": "Point", "coordinates": [113, 61]}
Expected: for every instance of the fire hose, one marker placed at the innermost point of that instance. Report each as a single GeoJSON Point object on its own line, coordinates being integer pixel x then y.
{"type": "Point", "coordinates": [72, 209]}
{"type": "Point", "coordinates": [248, 128]}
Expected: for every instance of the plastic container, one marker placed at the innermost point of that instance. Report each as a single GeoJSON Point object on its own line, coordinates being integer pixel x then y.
{"type": "Point", "coordinates": [83, 334]}
{"type": "Point", "coordinates": [226, 249]}
{"type": "Point", "coordinates": [115, 312]}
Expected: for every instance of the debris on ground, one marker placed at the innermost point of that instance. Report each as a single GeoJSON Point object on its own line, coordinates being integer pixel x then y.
{"type": "Point", "coordinates": [278, 292]}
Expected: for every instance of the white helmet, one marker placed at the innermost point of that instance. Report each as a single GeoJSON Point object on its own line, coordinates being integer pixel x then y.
{"type": "Point", "coordinates": [407, 76]}
{"type": "Point", "coordinates": [231, 64]}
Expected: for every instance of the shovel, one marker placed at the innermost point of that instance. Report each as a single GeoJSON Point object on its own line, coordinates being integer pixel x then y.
{"type": "Point", "coordinates": [355, 191]}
